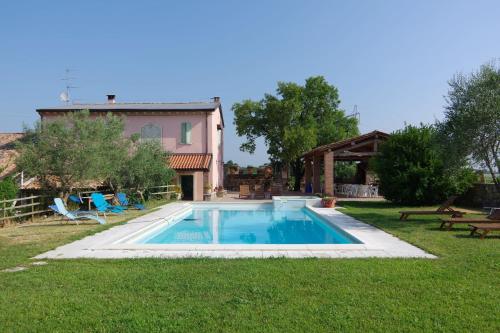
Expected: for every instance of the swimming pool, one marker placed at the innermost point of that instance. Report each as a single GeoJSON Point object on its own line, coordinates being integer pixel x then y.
{"type": "Point", "coordinates": [260, 224]}
{"type": "Point", "coordinates": [289, 227]}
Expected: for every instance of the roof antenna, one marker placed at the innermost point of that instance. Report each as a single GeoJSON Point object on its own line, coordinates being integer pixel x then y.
{"type": "Point", "coordinates": [355, 114]}
{"type": "Point", "coordinates": [65, 96]}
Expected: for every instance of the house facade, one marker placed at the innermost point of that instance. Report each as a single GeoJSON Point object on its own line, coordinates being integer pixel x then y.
{"type": "Point", "coordinates": [192, 132]}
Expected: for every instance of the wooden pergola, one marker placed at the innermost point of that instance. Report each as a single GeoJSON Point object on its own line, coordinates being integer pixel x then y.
{"type": "Point", "coordinates": [359, 148]}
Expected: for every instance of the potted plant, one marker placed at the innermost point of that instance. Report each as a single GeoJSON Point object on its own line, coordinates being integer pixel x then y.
{"type": "Point", "coordinates": [328, 202]}
{"type": "Point", "coordinates": [207, 189]}
{"type": "Point", "coordinates": [178, 192]}
{"type": "Point", "coordinates": [220, 192]}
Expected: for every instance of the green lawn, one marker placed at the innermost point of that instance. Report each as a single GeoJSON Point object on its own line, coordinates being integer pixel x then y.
{"type": "Point", "coordinates": [458, 292]}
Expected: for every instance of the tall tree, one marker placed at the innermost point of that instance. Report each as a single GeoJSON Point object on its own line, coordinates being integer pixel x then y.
{"type": "Point", "coordinates": [294, 121]}
{"type": "Point", "coordinates": [471, 128]}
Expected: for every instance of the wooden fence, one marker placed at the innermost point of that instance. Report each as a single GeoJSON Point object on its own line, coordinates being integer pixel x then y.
{"type": "Point", "coordinates": [23, 208]}
{"type": "Point", "coordinates": [19, 209]}
{"type": "Point", "coordinates": [162, 190]}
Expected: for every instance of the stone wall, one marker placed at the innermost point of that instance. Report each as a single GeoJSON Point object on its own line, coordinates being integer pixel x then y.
{"type": "Point", "coordinates": [481, 195]}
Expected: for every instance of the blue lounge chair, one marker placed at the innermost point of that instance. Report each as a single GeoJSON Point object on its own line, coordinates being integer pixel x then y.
{"type": "Point", "coordinates": [75, 199]}
{"type": "Point", "coordinates": [60, 208]}
{"type": "Point", "coordinates": [103, 206]}
{"type": "Point", "coordinates": [122, 199]}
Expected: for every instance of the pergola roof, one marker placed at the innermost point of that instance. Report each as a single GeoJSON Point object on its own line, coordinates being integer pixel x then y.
{"type": "Point", "coordinates": [356, 148]}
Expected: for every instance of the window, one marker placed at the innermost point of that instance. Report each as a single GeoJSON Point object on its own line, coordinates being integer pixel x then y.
{"type": "Point", "coordinates": [151, 132]}
{"type": "Point", "coordinates": [219, 137]}
{"type": "Point", "coordinates": [186, 133]}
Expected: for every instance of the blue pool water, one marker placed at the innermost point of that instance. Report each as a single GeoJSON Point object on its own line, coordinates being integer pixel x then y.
{"type": "Point", "coordinates": [259, 226]}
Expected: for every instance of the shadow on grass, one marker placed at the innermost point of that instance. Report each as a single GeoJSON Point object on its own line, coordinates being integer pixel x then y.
{"type": "Point", "coordinates": [489, 236]}
{"type": "Point", "coordinates": [393, 222]}
{"type": "Point", "coordinates": [369, 204]}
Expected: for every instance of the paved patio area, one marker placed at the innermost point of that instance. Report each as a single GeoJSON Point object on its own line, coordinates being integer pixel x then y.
{"type": "Point", "coordinates": [233, 196]}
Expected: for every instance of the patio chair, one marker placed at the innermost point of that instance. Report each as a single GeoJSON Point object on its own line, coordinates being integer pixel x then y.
{"type": "Point", "coordinates": [444, 209]}
{"type": "Point", "coordinates": [75, 199]}
{"type": "Point", "coordinates": [123, 200]}
{"type": "Point", "coordinates": [244, 191]}
{"type": "Point", "coordinates": [259, 192]}
{"type": "Point", "coordinates": [103, 206]}
{"type": "Point", "coordinates": [276, 190]}
{"type": "Point", "coordinates": [492, 217]}
{"type": "Point", "coordinates": [485, 227]}
{"type": "Point", "coordinates": [75, 216]}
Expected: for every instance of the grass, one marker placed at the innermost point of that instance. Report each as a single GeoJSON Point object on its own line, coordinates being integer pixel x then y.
{"type": "Point", "coordinates": [456, 293]}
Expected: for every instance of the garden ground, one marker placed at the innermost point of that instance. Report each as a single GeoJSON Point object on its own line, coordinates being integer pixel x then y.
{"type": "Point", "coordinates": [456, 293]}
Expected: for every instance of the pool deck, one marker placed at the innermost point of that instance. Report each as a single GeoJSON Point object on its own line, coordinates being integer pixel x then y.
{"type": "Point", "coordinates": [115, 243]}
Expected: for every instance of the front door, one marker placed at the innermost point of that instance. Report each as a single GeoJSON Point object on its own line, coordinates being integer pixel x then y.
{"type": "Point", "coordinates": [187, 187]}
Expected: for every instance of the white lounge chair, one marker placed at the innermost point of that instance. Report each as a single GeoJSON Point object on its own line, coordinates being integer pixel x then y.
{"type": "Point", "coordinates": [75, 216]}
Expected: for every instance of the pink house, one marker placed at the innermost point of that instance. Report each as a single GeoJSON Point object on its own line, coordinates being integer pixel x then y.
{"type": "Point", "coordinates": [193, 132]}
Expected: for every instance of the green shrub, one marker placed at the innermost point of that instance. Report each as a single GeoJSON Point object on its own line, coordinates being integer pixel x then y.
{"type": "Point", "coordinates": [412, 171]}
{"type": "Point", "coordinates": [8, 189]}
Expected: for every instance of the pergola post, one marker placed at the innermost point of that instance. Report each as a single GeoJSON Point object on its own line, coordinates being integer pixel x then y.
{"type": "Point", "coordinates": [307, 173]}
{"type": "Point", "coordinates": [329, 172]}
{"type": "Point", "coordinates": [316, 174]}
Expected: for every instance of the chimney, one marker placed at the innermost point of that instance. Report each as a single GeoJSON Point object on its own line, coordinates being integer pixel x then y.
{"type": "Point", "coordinates": [216, 99]}
{"type": "Point", "coordinates": [111, 99]}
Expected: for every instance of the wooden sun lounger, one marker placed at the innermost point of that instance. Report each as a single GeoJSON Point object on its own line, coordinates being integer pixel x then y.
{"type": "Point", "coordinates": [444, 209]}
{"type": "Point", "coordinates": [244, 191]}
{"type": "Point", "coordinates": [492, 218]}
{"type": "Point", "coordinates": [484, 227]}
{"type": "Point", "coordinates": [448, 223]}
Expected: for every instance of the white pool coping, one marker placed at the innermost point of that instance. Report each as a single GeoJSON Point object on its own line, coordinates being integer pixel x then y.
{"type": "Point", "coordinates": [118, 242]}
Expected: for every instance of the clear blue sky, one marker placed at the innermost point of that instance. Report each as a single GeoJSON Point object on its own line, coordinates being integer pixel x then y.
{"type": "Point", "coordinates": [391, 58]}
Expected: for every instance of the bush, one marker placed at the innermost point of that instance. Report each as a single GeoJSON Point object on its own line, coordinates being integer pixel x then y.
{"type": "Point", "coordinates": [8, 189]}
{"type": "Point", "coordinates": [412, 171]}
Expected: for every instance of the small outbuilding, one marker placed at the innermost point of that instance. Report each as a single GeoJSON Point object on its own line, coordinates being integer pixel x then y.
{"type": "Point", "coordinates": [360, 148]}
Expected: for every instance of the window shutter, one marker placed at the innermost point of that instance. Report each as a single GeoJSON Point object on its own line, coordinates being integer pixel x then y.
{"type": "Point", "coordinates": [183, 133]}
{"type": "Point", "coordinates": [188, 133]}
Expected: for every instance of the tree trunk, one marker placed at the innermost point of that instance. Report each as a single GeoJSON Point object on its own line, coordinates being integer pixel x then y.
{"type": "Point", "coordinates": [492, 172]}
{"type": "Point", "coordinates": [495, 180]}
{"type": "Point", "coordinates": [277, 168]}
{"type": "Point", "coordinates": [497, 163]}
{"type": "Point", "coordinates": [64, 195]}
{"type": "Point", "coordinates": [298, 172]}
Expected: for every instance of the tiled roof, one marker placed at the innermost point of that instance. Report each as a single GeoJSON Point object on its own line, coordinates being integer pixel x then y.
{"type": "Point", "coordinates": [35, 184]}
{"type": "Point", "coordinates": [191, 106]}
{"type": "Point", "coordinates": [347, 142]}
{"type": "Point", "coordinates": [138, 107]}
{"type": "Point", "coordinates": [190, 161]}
{"type": "Point", "coordinates": [8, 153]}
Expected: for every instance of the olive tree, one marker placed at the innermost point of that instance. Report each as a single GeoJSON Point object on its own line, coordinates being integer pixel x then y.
{"type": "Point", "coordinates": [471, 127]}
{"type": "Point", "coordinates": [145, 167]}
{"type": "Point", "coordinates": [74, 149]}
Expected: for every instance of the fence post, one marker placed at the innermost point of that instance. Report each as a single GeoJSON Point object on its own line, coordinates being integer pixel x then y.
{"type": "Point", "coordinates": [4, 215]}
{"type": "Point", "coordinates": [32, 209]}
